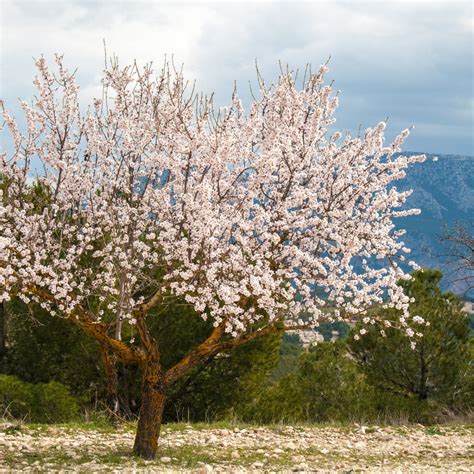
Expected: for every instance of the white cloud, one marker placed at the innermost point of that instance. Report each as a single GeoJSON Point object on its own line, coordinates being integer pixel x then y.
{"type": "Point", "coordinates": [409, 60]}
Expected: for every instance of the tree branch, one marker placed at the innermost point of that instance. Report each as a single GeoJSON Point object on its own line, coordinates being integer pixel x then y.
{"type": "Point", "coordinates": [145, 307]}
{"type": "Point", "coordinates": [196, 356]}
{"type": "Point", "coordinates": [213, 345]}
{"type": "Point", "coordinates": [98, 330]}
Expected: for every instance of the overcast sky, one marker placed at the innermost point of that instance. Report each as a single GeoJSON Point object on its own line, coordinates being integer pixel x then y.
{"type": "Point", "coordinates": [410, 61]}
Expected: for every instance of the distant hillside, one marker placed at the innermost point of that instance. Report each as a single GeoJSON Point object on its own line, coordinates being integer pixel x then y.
{"type": "Point", "coordinates": [444, 191]}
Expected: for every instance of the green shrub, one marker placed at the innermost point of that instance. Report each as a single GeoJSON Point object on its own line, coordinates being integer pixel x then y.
{"type": "Point", "coordinates": [16, 397]}
{"type": "Point", "coordinates": [42, 348]}
{"type": "Point", "coordinates": [332, 387]}
{"type": "Point", "coordinates": [49, 402]}
{"type": "Point", "coordinates": [328, 386]}
{"type": "Point", "coordinates": [390, 408]}
{"type": "Point", "coordinates": [281, 402]}
{"type": "Point", "coordinates": [325, 387]}
{"type": "Point", "coordinates": [54, 403]}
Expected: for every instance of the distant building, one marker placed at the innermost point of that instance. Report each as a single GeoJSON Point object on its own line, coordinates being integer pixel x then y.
{"type": "Point", "coordinates": [468, 307]}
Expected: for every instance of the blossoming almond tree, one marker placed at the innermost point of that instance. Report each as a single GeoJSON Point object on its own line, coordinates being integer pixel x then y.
{"type": "Point", "coordinates": [252, 218]}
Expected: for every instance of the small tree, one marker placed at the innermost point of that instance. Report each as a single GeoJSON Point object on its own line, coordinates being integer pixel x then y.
{"type": "Point", "coordinates": [435, 368]}
{"type": "Point", "coordinates": [148, 195]}
{"type": "Point", "coordinates": [460, 253]}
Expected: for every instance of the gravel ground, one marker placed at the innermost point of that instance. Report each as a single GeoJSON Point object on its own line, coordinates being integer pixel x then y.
{"type": "Point", "coordinates": [185, 448]}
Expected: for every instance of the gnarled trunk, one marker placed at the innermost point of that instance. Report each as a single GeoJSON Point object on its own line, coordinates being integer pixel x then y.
{"type": "Point", "coordinates": [149, 422]}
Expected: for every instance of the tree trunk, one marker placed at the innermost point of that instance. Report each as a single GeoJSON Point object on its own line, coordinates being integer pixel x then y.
{"type": "Point", "coordinates": [149, 423]}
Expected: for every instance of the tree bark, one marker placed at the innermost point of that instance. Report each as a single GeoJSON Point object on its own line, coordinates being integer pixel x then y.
{"type": "Point", "coordinates": [151, 411]}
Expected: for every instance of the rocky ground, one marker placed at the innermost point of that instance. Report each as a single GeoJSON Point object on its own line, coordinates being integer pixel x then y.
{"type": "Point", "coordinates": [208, 448]}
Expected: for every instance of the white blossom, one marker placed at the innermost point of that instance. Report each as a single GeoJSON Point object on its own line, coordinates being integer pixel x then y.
{"type": "Point", "coordinates": [251, 217]}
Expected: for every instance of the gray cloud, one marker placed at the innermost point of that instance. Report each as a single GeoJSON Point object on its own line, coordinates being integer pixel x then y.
{"type": "Point", "coordinates": [411, 61]}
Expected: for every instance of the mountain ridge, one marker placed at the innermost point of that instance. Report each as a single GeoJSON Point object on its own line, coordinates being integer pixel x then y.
{"type": "Point", "coordinates": [444, 191]}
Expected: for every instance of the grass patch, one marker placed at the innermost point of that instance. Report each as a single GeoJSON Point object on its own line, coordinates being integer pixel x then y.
{"type": "Point", "coordinates": [217, 425]}
{"type": "Point", "coordinates": [13, 430]}
{"type": "Point", "coordinates": [434, 431]}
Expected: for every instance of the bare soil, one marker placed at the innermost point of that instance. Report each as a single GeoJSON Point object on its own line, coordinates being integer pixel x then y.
{"type": "Point", "coordinates": [208, 448]}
